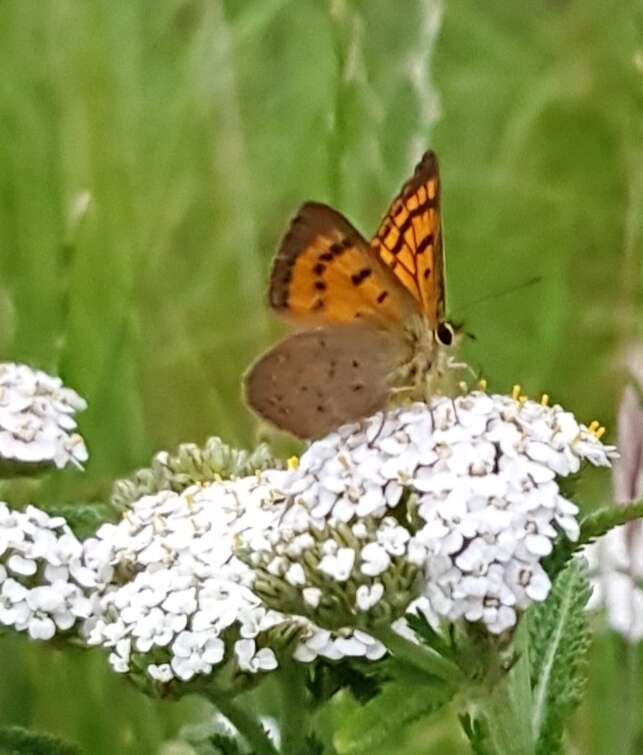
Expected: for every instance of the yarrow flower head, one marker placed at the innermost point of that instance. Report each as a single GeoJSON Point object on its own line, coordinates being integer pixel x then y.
{"type": "Point", "coordinates": [456, 501]}
{"type": "Point", "coordinates": [44, 585]}
{"type": "Point", "coordinates": [176, 586]}
{"type": "Point", "coordinates": [37, 425]}
{"type": "Point", "coordinates": [178, 603]}
{"type": "Point", "coordinates": [447, 508]}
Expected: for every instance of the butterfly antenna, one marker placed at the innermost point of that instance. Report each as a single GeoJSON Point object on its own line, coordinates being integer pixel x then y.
{"type": "Point", "coordinates": [459, 321]}
{"type": "Point", "coordinates": [505, 292]}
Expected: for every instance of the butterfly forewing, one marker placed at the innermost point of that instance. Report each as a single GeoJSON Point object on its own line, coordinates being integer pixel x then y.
{"type": "Point", "coordinates": [318, 379]}
{"type": "Point", "coordinates": [409, 239]}
{"type": "Point", "coordinates": [326, 272]}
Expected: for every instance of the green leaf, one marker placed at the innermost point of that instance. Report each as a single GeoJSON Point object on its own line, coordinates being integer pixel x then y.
{"type": "Point", "coordinates": [83, 518]}
{"type": "Point", "coordinates": [312, 746]}
{"type": "Point", "coordinates": [224, 745]}
{"type": "Point", "coordinates": [362, 680]}
{"type": "Point", "coordinates": [381, 719]}
{"type": "Point", "coordinates": [425, 632]}
{"type": "Point", "coordinates": [14, 740]}
{"type": "Point", "coordinates": [476, 733]}
{"type": "Point", "coordinates": [212, 737]}
{"type": "Point", "coordinates": [592, 526]}
{"type": "Point", "coordinates": [605, 519]}
{"type": "Point", "coordinates": [559, 646]}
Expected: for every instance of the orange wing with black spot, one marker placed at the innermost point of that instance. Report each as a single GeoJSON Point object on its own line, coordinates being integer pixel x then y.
{"type": "Point", "coordinates": [326, 272]}
{"type": "Point", "coordinates": [409, 239]}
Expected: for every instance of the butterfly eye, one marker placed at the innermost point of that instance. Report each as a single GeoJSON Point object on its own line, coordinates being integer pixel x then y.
{"type": "Point", "coordinates": [445, 334]}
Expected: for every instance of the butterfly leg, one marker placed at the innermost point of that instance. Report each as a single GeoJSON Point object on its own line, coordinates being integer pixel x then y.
{"type": "Point", "coordinates": [453, 364]}
{"type": "Point", "coordinates": [432, 417]}
{"type": "Point", "coordinates": [289, 505]}
{"type": "Point", "coordinates": [381, 427]}
{"type": "Point", "coordinates": [395, 391]}
{"type": "Point", "coordinates": [402, 389]}
{"type": "Point", "coordinates": [455, 410]}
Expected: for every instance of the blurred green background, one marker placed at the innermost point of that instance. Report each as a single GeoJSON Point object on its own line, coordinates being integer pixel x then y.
{"type": "Point", "coordinates": [151, 155]}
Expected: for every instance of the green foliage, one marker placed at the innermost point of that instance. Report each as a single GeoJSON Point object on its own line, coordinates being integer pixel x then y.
{"type": "Point", "coordinates": [610, 717]}
{"type": "Point", "coordinates": [408, 697]}
{"type": "Point", "coordinates": [312, 746]}
{"type": "Point", "coordinates": [446, 647]}
{"type": "Point", "coordinates": [84, 519]}
{"type": "Point", "coordinates": [15, 740]}
{"type": "Point", "coordinates": [559, 646]}
{"type": "Point", "coordinates": [212, 737]}
{"type": "Point", "coordinates": [503, 703]}
{"type": "Point", "coordinates": [10, 469]}
{"type": "Point", "coordinates": [475, 732]}
{"type": "Point", "coordinates": [604, 519]}
{"type": "Point", "coordinates": [360, 679]}
{"type": "Point", "coordinates": [592, 526]}
{"type": "Point", "coordinates": [222, 745]}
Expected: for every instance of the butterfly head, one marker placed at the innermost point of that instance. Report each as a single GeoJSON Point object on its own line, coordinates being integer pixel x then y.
{"type": "Point", "coordinates": [430, 338]}
{"type": "Point", "coordinates": [428, 357]}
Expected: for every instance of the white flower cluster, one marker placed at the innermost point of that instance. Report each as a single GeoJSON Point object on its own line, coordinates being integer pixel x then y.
{"type": "Point", "coordinates": [44, 584]}
{"type": "Point", "coordinates": [181, 586]}
{"type": "Point", "coordinates": [37, 424]}
{"type": "Point", "coordinates": [478, 475]}
{"type": "Point", "coordinates": [177, 592]}
{"type": "Point", "coordinates": [448, 508]}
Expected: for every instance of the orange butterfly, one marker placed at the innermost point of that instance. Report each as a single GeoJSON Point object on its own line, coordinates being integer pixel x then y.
{"type": "Point", "coordinates": [371, 315]}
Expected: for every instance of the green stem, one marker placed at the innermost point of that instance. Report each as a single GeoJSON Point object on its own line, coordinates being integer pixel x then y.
{"type": "Point", "coordinates": [507, 708]}
{"type": "Point", "coordinates": [420, 656]}
{"type": "Point", "coordinates": [294, 709]}
{"type": "Point", "coordinates": [246, 724]}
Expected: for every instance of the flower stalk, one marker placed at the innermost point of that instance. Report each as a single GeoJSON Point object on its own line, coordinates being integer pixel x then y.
{"type": "Point", "coordinates": [507, 705]}
{"type": "Point", "coordinates": [245, 723]}
{"type": "Point", "coordinates": [421, 657]}
{"type": "Point", "coordinates": [294, 707]}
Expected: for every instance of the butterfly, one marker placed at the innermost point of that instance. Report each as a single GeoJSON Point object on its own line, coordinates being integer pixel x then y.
{"type": "Point", "coordinates": [370, 316]}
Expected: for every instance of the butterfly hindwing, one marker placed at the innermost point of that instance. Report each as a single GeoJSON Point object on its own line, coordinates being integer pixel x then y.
{"type": "Point", "coordinates": [326, 272]}
{"type": "Point", "coordinates": [315, 380]}
{"type": "Point", "coordinates": [409, 239]}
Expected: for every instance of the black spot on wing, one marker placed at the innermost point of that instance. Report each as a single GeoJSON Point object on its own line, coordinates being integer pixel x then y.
{"type": "Point", "coordinates": [359, 277]}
